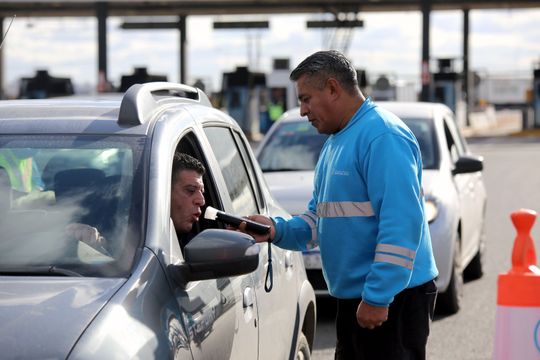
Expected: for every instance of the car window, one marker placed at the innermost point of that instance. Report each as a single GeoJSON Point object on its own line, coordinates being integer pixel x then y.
{"type": "Point", "coordinates": [189, 144]}
{"type": "Point", "coordinates": [293, 146]}
{"type": "Point", "coordinates": [453, 141]}
{"type": "Point", "coordinates": [58, 182]}
{"type": "Point", "coordinates": [249, 166]}
{"type": "Point", "coordinates": [233, 168]}
{"type": "Point", "coordinates": [296, 145]}
{"type": "Point", "coordinates": [458, 138]}
{"type": "Point", "coordinates": [424, 132]}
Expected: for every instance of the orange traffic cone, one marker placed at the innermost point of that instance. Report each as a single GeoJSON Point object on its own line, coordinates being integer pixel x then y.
{"type": "Point", "coordinates": [517, 334]}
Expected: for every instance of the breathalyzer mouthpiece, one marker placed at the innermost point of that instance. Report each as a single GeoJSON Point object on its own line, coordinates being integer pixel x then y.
{"type": "Point", "coordinates": [215, 214]}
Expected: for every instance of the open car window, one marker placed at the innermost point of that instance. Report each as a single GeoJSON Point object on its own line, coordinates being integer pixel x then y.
{"type": "Point", "coordinates": [190, 145]}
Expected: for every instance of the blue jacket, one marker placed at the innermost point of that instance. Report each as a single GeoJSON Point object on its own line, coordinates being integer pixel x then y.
{"type": "Point", "coordinates": [367, 211]}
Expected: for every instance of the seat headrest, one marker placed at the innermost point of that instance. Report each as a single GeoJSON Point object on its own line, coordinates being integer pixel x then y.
{"type": "Point", "coordinates": [77, 180]}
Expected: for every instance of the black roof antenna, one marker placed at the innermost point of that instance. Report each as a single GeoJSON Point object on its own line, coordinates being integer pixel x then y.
{"type": "Point", "coordinates": [9, 27]}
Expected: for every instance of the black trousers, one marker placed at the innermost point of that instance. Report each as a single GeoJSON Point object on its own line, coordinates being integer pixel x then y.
{"type": "Point", "coordinates": [402, 337]}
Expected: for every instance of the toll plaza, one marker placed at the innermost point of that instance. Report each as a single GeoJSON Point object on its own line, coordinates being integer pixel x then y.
{"type": "Point", "coordinates": [513, 181]}
{"type": "Point", "coordinates": [344, 15]}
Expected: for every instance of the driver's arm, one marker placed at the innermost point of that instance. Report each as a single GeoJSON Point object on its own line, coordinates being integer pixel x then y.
{"type": "Point", "coordinates": [88, 235]}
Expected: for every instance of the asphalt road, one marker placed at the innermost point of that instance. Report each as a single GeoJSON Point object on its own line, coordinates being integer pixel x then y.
{"type": "Point", "coordinates": [512, 177]}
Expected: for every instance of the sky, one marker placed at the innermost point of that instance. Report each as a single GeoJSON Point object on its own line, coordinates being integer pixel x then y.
{"type": "Point", "coordinates": [502, 42]}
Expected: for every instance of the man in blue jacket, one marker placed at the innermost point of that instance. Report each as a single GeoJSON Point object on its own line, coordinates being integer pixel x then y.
{"type": "Point", "coordinates": [366, 215]}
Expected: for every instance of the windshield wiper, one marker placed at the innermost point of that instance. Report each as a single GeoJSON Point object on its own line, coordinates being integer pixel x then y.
{"type": "Point", "coordinates": [37, 270]}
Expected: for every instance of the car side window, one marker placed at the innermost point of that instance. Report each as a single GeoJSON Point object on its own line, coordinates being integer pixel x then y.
{"type": "Point", "coordinates": [249, 166]}
{"type": "Point", "coordinates": [453, 141]}
{"type": "Point", "coordinates": [234, 170]}
{"type": "Point", "coordinates": [458, 137]}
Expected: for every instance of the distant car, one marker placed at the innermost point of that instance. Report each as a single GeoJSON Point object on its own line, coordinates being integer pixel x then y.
{"type": "Point", "coordinates": [145, 295]}
{"type": "Point", "coordinates": [452, 183]}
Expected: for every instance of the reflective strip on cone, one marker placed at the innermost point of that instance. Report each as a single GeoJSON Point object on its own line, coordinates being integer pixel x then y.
{"type": "Point", "coordinates": [517, 335]}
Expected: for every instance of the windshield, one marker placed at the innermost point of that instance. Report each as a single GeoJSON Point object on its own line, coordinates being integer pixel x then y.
{"type": "Point", "coordinates": [296, 145]}
{"type": "Point", "coordinates": [293, 146]}
{"type": "Point", "coordinates": [67, 204]}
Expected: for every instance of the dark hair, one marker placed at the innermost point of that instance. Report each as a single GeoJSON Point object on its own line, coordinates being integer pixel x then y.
{"type": "Point", "coordinates": [323, 65]}
{"type": "Point", "coordinates": [184, 161]}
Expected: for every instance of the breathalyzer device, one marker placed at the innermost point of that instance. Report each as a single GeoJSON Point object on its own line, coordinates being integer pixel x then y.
{"type": "Point", "coordinates": [233, 220]}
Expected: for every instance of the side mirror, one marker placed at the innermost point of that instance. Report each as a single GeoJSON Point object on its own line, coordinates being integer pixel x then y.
{"type": "Point", "coordinates": [216, 253]}
{"type": "Point", "coordinates": [468, 164]}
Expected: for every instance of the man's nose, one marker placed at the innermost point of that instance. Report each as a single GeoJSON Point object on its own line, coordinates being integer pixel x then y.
{"type": "Point", "coordinates": [303, 110]}
{"type": "Point", "coordinates": [199, 199]}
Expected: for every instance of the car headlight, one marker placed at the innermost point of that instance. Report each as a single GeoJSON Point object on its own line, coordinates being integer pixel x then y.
{"type": "Point", "coordinates": [431, 210]}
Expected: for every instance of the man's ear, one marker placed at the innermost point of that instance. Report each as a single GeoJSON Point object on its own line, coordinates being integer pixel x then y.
{"type": "Point", "coordinates": [334, 88]}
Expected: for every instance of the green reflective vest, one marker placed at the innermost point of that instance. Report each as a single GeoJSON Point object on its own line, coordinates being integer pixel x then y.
{"type": "Point", "coordinates": [19, 171]}
{"type": "Point", "coordinates": [275, 111]}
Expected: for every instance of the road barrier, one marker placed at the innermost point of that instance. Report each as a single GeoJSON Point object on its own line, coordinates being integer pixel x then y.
{"type": "Point", "coordinates": [517, 334]}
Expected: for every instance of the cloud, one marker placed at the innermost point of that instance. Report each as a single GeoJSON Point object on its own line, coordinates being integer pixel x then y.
{"type": "Point", "coordinates": [506, 42]}
{"type": "Point", "coordinates": [63, 47]}
{"type": "Point", "coordinates": [200, 34]}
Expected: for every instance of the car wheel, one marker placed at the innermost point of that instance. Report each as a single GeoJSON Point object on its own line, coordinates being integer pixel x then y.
{"type": "Point", "coordinates": [302, 349]}
{"type": "Point", "coordinates": [475, 269]}
{"type": "Point", "coordinates": [449, 301]}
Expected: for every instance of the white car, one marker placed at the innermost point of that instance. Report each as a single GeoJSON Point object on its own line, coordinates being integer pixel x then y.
{"type": "Point", "coordinates": [452, 182]}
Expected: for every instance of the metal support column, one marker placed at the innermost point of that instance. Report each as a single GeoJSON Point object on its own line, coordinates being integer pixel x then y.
{"type": "Point", "coordinates": [467, 93]}
{"type": "Point", "coordinates": [182, 57]}
{"type": "Point", "coordinates": [426, 75]}
{"type": "Point", "coordinates": [536, 96]}
{"type": "Point", "coordinates": [101, 13]}
{"type": "Point", "coordinates": [1, 59]}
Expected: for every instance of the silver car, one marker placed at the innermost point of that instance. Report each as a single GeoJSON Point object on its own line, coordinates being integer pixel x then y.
{"type": "Point", "coordinates": [145, 295]}
{"type": "Point", "coordinates": [452, 183]}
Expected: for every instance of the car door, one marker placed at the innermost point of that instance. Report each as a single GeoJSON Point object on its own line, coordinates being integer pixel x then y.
{"type": "Point", "coordinates": [220, 315]}
{"type": "Point", "coordinates": [276, 308]}
{"type": "Point", "coordinates": [468, 189]}
{"type": "Point", "coordinates": [219, 323]}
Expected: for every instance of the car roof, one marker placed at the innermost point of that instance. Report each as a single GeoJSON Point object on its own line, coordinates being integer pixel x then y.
{"type": "Point", "coordinates": [413, 109]}
{"type": "Point", "coordinates": [130, 113]}
{"type": "Point", "coordinates": [58, 116]}
{"type": "Point", "coordinates": [407, 109]}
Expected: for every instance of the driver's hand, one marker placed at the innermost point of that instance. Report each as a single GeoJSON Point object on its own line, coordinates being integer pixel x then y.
{"type": "Point", "coordinates": [88, 235]}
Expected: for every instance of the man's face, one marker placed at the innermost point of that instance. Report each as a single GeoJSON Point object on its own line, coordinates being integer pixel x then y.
{"type": "Point", "coordinates": [316, 104]}
{"type": "Point", "coordinates": [187, 197]}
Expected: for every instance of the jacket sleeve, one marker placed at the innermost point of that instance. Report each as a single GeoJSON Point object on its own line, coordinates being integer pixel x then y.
{"type": "Point", "coordinates": [391, 167]}
{"type": "Point", "coordinates": [299, 232]}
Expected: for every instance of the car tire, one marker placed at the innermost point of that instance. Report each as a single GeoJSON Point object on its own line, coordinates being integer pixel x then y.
{"type": "Point", "coordinates": [303, 351]}
{"type": "Point", "coordinates": [475, 269]}
{"type": "Point", "coordinates": [449, 301]}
